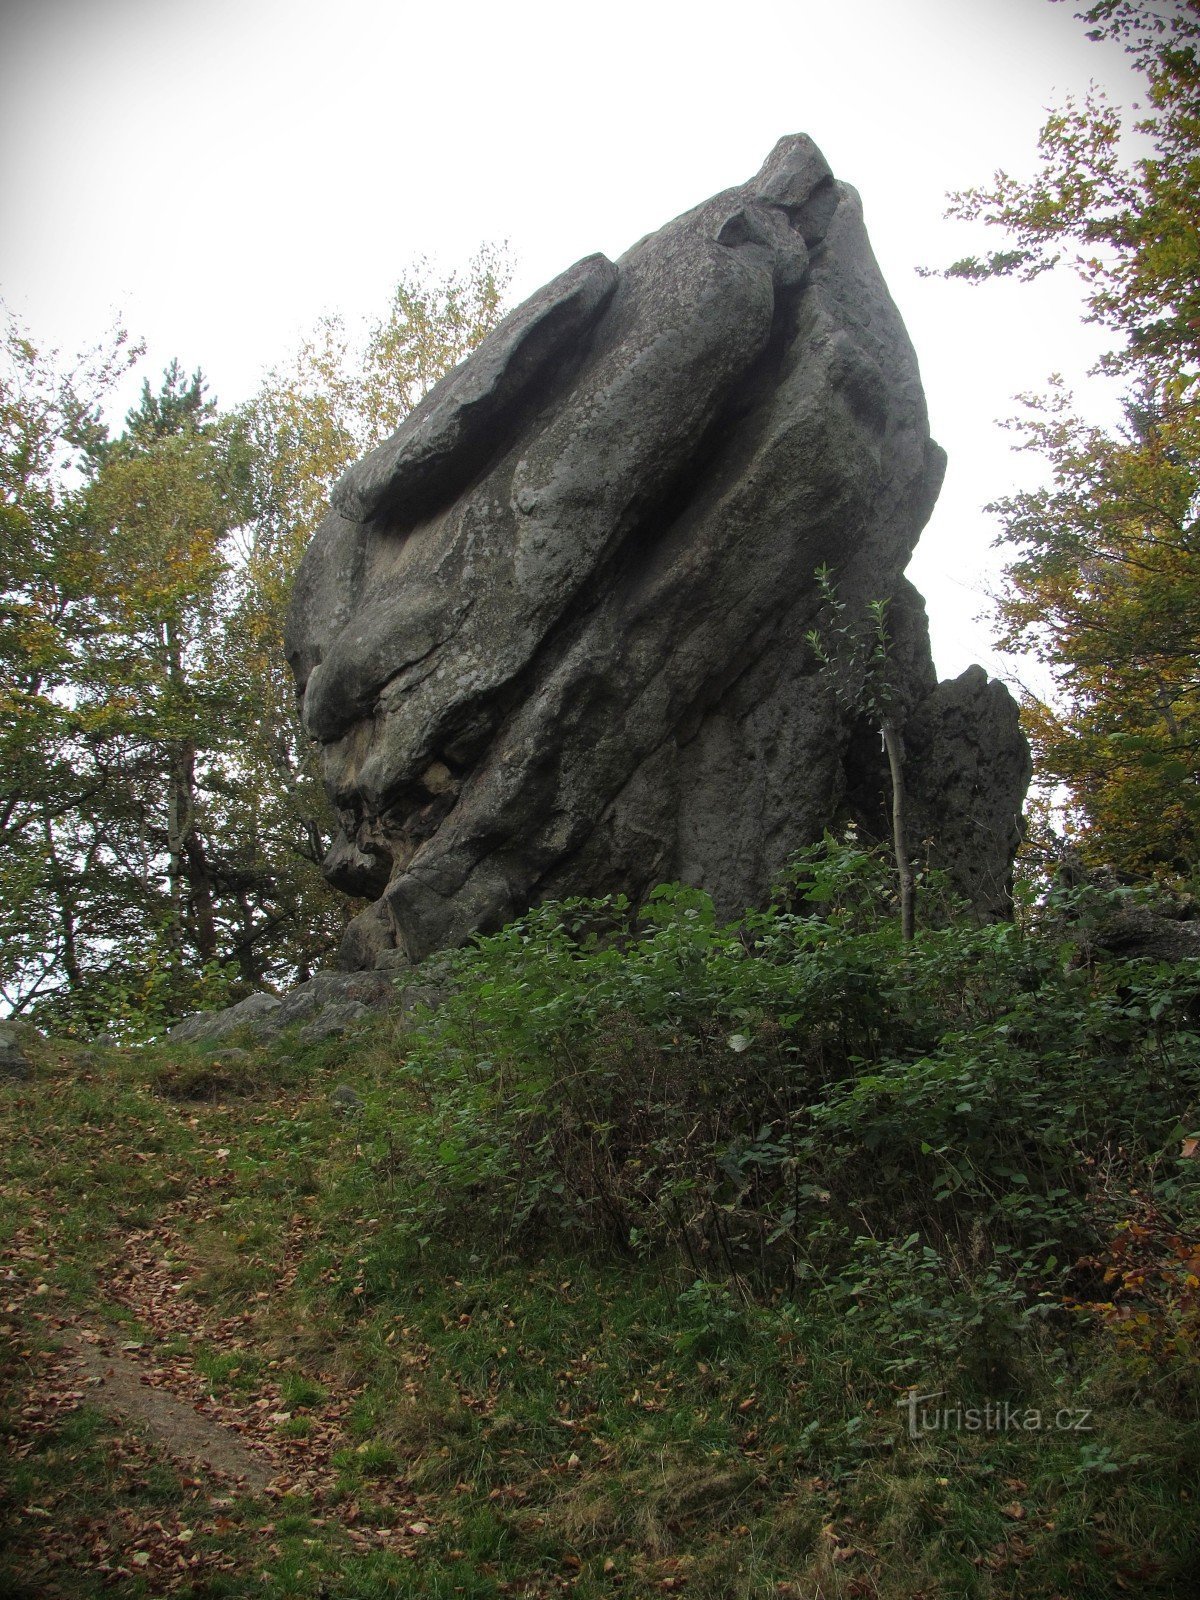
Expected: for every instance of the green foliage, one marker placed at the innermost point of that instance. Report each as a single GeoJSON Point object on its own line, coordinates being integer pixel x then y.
{"type": "Point", "coordinates": [861, 651]}
{"type": "Point", "coordinates": [178, 406]}
{"type": "Point", "coordinates": [562, 1414]}
{"type": "Point", "coordinates": [1105, 590]}
{"type": "Point", "coordinates": [1130, 230]}
{"type": "Point", "coordinates": [865, 681]}
{"type": "Point", "coordinates": [50, 617]}
{"type": "Point", "coordinates": [800, 1102]}
{"type": "Point", "coordinates": [162, 818]}
{"type": "Point", "coordinates": [1104, 584]}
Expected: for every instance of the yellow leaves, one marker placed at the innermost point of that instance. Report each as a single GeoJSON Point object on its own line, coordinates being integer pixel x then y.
{"type": "Point", "coordinates": [338, 396]}
{"type": "Point", "coordinates": [1104, 586]}
{"type": "Point", "coordinates": [37, 636]}
{"type": "Point", "coordinates": [1106, 591]}
{"type": "Point", "coordinates": [163, 522]}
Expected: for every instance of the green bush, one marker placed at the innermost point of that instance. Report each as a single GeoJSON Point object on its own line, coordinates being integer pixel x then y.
{"type": "Point", "coordinates": [797, 1098]}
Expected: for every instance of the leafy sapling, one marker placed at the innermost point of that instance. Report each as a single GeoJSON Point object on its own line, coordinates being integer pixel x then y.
{"type": "Point", "coordinates": [860, 651]}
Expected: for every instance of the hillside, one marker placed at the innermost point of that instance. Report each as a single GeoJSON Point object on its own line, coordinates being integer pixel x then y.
{"type": "Point", "coordinates": [618, 1274]}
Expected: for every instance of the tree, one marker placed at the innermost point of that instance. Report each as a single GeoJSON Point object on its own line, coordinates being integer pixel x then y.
{"type": "Point", "coordinates": [162, 506]}
{"type": "Point", "coordinates": [52, 884]}
{"type": "Point", "coordinates": [112, 569]}
{"type": "Point", "coordinates": [162, 824]}
{"type": "Point", "coordinates": [1104, 587]}
{"type": "Point", "coordinates": [179, 405]}
{"type": "Point", "coordinates": [860, 656]}
{"type": "Point", "coordinates": [1106, 592]}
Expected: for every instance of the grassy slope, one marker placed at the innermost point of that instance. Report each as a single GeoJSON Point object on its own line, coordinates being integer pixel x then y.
{"type": "Point", "coordinates": [462, 1417]}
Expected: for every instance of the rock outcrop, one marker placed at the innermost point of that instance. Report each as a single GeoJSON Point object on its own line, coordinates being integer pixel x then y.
{"type": "Point", "coordinates": [15, 1040]}
{"type": "Point", "coordinates": [551, 637]}
{"type": "Point", "coordinates": [323, 1006]}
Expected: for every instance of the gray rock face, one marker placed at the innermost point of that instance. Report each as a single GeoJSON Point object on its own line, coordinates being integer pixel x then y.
{"type": "Point", "coordinates": [969, 760]}
{"type": "Point", "coordinates": [1142, 934]}
{"type": "Point", "coordinates": [551, 637]}
{"type": "Point", "coordinates": [210, 1027]}
{"type": "Point", "coordinates": [15, 1039]}
{"type": "Point", "coordinates": [456, 427]}
{"type": "Point", "coordinates": [327, 1004]}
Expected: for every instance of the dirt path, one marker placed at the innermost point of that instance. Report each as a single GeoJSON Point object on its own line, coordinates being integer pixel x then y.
{"type": "Point", "coordinates": [116, 1383]}
{"type": "Point", "coordinates": [227, 1440]}
{"type": "Point", "coordinates": [153, 1377]}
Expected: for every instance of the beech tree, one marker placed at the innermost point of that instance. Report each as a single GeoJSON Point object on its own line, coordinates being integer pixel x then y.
{"type": "Point", "coordinates": [113, 567]}
{"type": "Point", "coordinates": [54, 882]}
{"type": "Point", "coordinates": [1104, 582]}
{"type": "Point", "coordinates": [339, 395]}
{"type": "Point", "coordinates": [162, 821]}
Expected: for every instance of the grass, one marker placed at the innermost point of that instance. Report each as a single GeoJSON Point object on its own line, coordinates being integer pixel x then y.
{"type": "Point", "coordinates": [550, 1417]}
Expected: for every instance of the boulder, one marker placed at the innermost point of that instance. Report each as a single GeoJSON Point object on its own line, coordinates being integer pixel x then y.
{"type": "Point", "coordinates": [970, 768]}
{"type": "Point", "coordinates": [210, 1027]}
{"type": "Point", "coordinates": [326, 1004]}
{"type": "Point", "coordinates": [15, 1039]}
{"type": "Point", "coordinates": [552, 637]}
{"type": "Point", "coordinates": [1141, 933]}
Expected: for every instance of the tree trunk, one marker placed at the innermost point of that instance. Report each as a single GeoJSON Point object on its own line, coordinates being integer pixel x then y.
{"type": "Point", "coordinates": [66, 912]}
{"type": "Point", "coordinates": [894, 745]}
{"type": "Point", "coordinates": [190, 879]}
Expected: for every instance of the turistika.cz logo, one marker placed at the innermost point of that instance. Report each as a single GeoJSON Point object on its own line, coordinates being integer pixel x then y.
{"type": "Point", "coordinates": [991, 1417]}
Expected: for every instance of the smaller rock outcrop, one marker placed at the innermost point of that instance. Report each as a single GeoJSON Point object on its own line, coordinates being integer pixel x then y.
{"type": "Point", "coordinates": [210, 1027]}
{"type": "Point", "coordinates": [327, 1004]}
{"type": "Point", "coordinates": [968, 758]}
{"type": "Point", "coordinates": [15, 1040]}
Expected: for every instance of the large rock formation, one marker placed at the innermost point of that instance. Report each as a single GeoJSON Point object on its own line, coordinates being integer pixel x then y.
{"type": "Point", "coordinates": [551, 636]}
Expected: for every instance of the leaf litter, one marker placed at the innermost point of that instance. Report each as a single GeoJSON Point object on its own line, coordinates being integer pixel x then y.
{"type": "Point", "coordinates": [229, 1449]}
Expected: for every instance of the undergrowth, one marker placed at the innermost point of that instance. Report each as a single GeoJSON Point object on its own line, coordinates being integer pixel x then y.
{"type": "Point", "coordinates": [773, 1258]}
{"type": "Point", "coordinates": [941, 1135]}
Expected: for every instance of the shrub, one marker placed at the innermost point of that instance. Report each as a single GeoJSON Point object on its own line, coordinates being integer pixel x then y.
{"type": "Point", "coordinates": [798, 1097]}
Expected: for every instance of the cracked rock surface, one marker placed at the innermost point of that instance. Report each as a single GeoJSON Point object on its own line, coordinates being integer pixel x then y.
{"type": "Point", "coordinates": [551, 635]}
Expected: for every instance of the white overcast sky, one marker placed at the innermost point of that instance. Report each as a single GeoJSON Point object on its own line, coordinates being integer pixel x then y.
{"type": "Point", "coordinates": [218, 172]}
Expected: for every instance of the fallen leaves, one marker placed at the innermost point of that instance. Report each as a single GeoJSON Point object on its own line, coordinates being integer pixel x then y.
{"type": "Point", "coordinates": [168, 1331]}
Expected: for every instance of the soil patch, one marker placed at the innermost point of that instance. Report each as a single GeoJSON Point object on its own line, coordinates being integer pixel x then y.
{"type": "Point", "coordinates": [116, 1383]}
